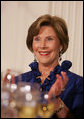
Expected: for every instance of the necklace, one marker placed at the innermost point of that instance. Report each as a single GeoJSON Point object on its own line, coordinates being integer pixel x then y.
{"type": "Point", "coordinates": [43, 76]}
{"type": "Point", "coordinates": [45, 71]}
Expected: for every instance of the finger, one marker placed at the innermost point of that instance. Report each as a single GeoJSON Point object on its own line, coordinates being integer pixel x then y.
{"type": "Point", "coordinates": [65, 78]}
{"type": "Point", "coordinates": [62, 82]}
{"type": "Point", "coordinates": [58, 87]}
{"type": "Point", "coordinates": [50, 93]}
{"type": "Point", "coordinates": [58, 76]}
{"type": "Point", "coordinates": [60, 79]}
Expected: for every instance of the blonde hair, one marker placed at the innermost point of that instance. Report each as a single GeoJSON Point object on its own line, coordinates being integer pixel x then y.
{"type": "Point", "coordinates": [57, 23]}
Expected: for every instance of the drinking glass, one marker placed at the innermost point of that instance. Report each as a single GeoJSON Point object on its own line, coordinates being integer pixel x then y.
{"type": "Point", "coordinates": [8, 87]}
{"type": "Point", "coordinates": [8, 105]}
{"type": "Point", "coordinates": [46, 108]}
{"type": "Point", "coordinates": [27, 97]}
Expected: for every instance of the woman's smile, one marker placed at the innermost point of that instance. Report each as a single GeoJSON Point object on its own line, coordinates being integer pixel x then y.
{"type": "Point", "coordinates": [44, 53]}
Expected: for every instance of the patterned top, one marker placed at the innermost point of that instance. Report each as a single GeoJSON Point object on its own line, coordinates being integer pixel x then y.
{"type": "Point", "coordinates": [72, 96]}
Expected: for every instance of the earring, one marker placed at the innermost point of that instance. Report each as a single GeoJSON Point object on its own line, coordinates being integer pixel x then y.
{"type": "Point", "coordinates": [35, 59]}
{"type": "Point", "coordinates": [60, 54]}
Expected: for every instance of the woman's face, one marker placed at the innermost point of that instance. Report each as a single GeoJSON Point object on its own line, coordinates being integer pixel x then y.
{"type": "Point", "coordinates": [46, 46]}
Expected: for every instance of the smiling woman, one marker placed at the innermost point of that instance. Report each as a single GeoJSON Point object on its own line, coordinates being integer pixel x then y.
{"type": "Point", "coordinates": [48, 39]}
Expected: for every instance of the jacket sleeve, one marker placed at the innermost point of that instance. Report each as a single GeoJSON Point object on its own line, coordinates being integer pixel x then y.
{"type": "Point", "coordinates": [77, 105]}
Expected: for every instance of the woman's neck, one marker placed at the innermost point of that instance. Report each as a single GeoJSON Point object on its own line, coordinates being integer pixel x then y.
{"type": "Point", "coordinates": [47, 68]}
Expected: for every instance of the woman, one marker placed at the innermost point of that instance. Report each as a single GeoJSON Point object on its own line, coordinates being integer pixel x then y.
{"type": "Point", "coordinates": [48, 39]}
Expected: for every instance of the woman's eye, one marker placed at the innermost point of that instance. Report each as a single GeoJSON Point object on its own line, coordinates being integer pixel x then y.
{"type": "Point", "coordinates": [50, 39]}
{"type": "Point", "coordinates": [37, 39]}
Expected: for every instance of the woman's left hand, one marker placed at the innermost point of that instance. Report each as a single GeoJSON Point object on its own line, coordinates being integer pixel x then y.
{"type": "Point", "coordinates": [59, 86]}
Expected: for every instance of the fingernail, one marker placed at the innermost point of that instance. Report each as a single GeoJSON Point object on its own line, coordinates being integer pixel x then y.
{"type": "Point", "coordinates": [63, 72]}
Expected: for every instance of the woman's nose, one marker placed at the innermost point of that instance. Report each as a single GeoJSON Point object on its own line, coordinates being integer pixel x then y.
{"type": "Point", "coordinates": [43, 44]}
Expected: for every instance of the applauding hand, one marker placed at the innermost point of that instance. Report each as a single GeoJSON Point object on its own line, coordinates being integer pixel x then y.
{"type": "Point", "coordinates": [59, 86]}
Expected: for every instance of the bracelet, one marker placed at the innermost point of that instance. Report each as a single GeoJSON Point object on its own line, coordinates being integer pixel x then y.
{"type": "Point", "coordinates": [60, 108]}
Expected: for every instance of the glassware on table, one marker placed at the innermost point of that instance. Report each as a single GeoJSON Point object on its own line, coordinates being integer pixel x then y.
{"type": "Point", "coordinates": [23, 100]}
{"type": "Point", "coordinates": [27, 98]}
{"type": "Point", "coordinates": [8, 104]}
{"type": "Point", "coordinates": [46, 108]}
{"type": "Point", "coordinates": [8, 87]}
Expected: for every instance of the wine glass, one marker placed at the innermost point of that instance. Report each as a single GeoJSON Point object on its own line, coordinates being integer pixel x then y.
{"type": "Point", "coordinates": [46, 108]}
{"type": "Point", "coordinates": [27, 97]}
{"type": "Point", "coordinates": [8, 104]}
{"type": "Point", "coordinates": [8, 87]}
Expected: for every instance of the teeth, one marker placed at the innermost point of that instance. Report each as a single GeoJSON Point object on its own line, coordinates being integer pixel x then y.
{"type": "Point", "coordinates": [43, 53]}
